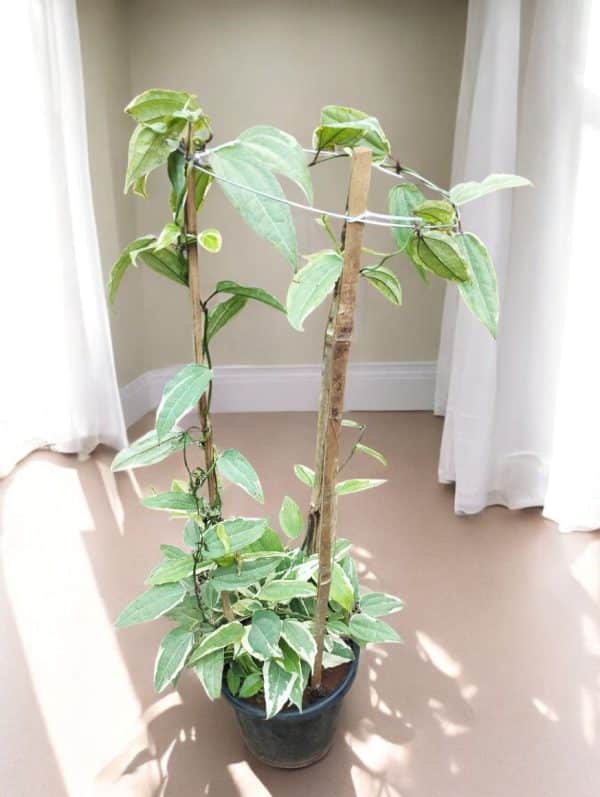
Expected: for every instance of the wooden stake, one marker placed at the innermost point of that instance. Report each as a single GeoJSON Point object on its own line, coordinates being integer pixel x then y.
{"type": "Point", "coordinates": [333, 389]}
{"type": "Point", "coordinates": [191, 227]}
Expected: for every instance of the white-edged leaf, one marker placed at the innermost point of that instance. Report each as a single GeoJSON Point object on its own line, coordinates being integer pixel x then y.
{"type": "Point", "coordinates": [169, 235]}
{"type": "Point", "coordinates": [306, 475]}
{"type": "Point", "coordinates": [299, 637]}
{"type": "Point", "coordinates": [263, 635]}
{"type": "Point", "coordinates": [181, 394]}
{"type": "Point", "coordinates": [376, 604]}
{"type": "Point", "coordinates": [280, 152]}
{"type": "Point", "coordinates": [151, 604]}
{"type": "Point", "coordinates": [311, 284]}
{"type": "Point", "coordinates": [171, 502]}
{"type": "Point", "coordinates": [480, 293]}
{"type": "Point", "coordinates": [211, 240]}
{"type": "Point", "coordinates": [402, 201]}
{"type": "Point", "coordinates": [155, 104]}
{"type": "Point", "coordinates": [128, 257]}
{"type": "Point", "coordinates": [278, 685]}
{"type": "Point", "coordinates": [269, 218]}
{"type": "Point", "coordinates": [342, 126]}
{"type": "Point", "coordinates": [282, 591]}
{"type": "Point", "coordinates": [352, 424]}
{"type": "Point", "coordinates": [385, 281]}
{"type": "Point", "coordinates": [172, 653]}
{"type": "Point", "coordinates": [365, 629]}
{"type": "Point", "coordinates": [438, 212]}
{"type": "Point", "coordinates": [149, 148]}
{"type": "Point", "coordinates": [341, 591]}
{"type": "Point", "coordinates": [260, 295]}
{"type": "Point", "coordinates": [209, 670]}
{"type": "Point", "coordinates": [234, 577]}
{"type": "Point", "coordinates": [240, 532]}
{"type": "Point", "coordinates": [148, 450]}
{"type": "Point", "coordinates": [357, 485]}
{"type": "Point", "coordinates": [466, 192]}
{"type": "Point", "coordinates": [228, 634]}
{"type": "Point", "coordinates": [191, 533]}
{"type": "Point", "coordinates": [370, 452]}
{"type": "Point", "coordinates": [233, 466]}
{"type": "Point", "coordinates": [172, 569]}
{"type": "Point", "coordinates": [290, 518]}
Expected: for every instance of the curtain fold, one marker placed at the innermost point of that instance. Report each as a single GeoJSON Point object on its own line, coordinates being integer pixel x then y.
{"type": "Point", "coordinates": [522, 426]}
{"type": "Point", "coordinates": [59, 387]}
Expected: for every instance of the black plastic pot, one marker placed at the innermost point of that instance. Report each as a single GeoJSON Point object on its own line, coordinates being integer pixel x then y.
{"type": "Point", "coordinates": [293, 739]}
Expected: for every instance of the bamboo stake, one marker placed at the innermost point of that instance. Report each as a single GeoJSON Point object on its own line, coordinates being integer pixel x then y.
{"type": "Point", "coordinates": [333, 392]}
{"type": "Point", "coordinates": [191, 227]}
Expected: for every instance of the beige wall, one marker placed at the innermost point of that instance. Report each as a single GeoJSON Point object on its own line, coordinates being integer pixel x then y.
{"type": "Point", "coordinates": [277, 63]}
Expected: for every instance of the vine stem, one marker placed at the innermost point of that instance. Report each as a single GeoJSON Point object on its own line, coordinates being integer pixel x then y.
{"type": "Point", "coordinates": [338, 339]}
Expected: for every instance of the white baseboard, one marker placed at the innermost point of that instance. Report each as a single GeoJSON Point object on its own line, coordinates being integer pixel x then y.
{"type": "Point", "coordinates": [294, 388]}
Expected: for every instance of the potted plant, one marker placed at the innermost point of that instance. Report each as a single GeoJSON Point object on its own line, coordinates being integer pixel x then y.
{"type": "Point", "coordinates": [276, 629]}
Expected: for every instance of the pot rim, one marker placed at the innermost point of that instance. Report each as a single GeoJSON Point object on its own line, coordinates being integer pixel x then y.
{"type": "Point", "coordinates": [292, 713]}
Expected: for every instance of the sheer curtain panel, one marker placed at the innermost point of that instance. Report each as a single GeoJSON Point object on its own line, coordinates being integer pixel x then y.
{"type": "Point", "coordinates": [522, 424]}
{"type": "Point", "coordinates": [59, 387]}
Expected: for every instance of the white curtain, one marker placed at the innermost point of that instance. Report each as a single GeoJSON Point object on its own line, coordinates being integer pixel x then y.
{"type": "Point", "coordinates": [58, 379]}
{"type": "Point", "coordinates": [522, 423]}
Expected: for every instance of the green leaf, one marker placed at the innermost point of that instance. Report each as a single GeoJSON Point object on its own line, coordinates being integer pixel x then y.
{"type": "Point", "coordinates": [228, 634]}
{"type": "Point", "coordinates": [151, 604]}
{"type": "Point", "coordinates": [480, 293]}
{"type": "Point", "coordinates": [280, 152]}
{"type": "Point", "coordinates": [172, 653]}
{"type": "Point", "coordinates": [291, 662]}
{"type": "Point", "coordinates": [209, 670]}
{"type": "Point", "coordinates": [306, 475]}
{"type": "Point", "coordinates": [264, 633]}
{"type": "Point", "coordinates": [377, 603]}
{"type": "Point", "coordinates": [439, 253]}
{"type": "Point", "coordinates": [385, 281]}
{"type": "Point", "coordinates": [347, 127]}
{"type": "Point", "coordinates": [171, 502]}
{"type": "Point", "coordinates": [149, 148]}
{"type": "Point", "coordinates": [227, 286]}
{"type": "Point", "coordinates": [357, 485]}
{"type": "Point", "coordinates": [252, 685]}
{"type": "Point", "coordinates": [436, 211]}
{"type": "Point", "coordinates": [155, 104]}
{"type": "Point", "coordinates": [148, 450]}
{"type": "Point", "coordinates": [402, 201]}
{"type": "Point", "coordinates": [222, 314]}
{"type": "Point", "coordinates": [176, 172]}
{"type": "Point", "coordinates": [240, 532]}
{"type": "Point", "coordinates": [211, 240]}
{"type": "Point", "coordinates": [127, 258]}
{"type": "Point", "coordinates": [282, 591]}
{"type": "Point", "coordinates": [203, 182]}
{"type": "Point", "coordinates": [172, 570]}
{"type": "Point", "coordinates": [349, 567]}
{"type": "Point", "coordinates": [233, 577]}
{"type": "Point", "coordinates": [169, 236]}
{"type": "Point", "coordinates": [298, 637]}
{"type": "Point", "coordinates": [234, 678]}
{"type": "Point", "coordinates": [290, 517]}
{"type": "Point", "coordinates": [466, 192]}
{"type": "Point", "coordinates": [278, 685]}
{"type": "Point", "coordinates": [234, 467]}
{"type": "Point", "coordinates": [370, 452]}
{"type": "Point", "coordinates": [269, 541]}
{"type": "Point", "coordinates": [191, 533]}
{"type": "Point", "coordinates": [269, 218]}
{"type": "Point", "coordinates": [180, 395]}
{"type": "Point", "coordinates": [365, 629]}
{"type": "Point", "coordinates": [341, 591]}
{"type": "Point", "coordinates": [167, 263]}
{"type": "Point", "coordinates": [311, 285]}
